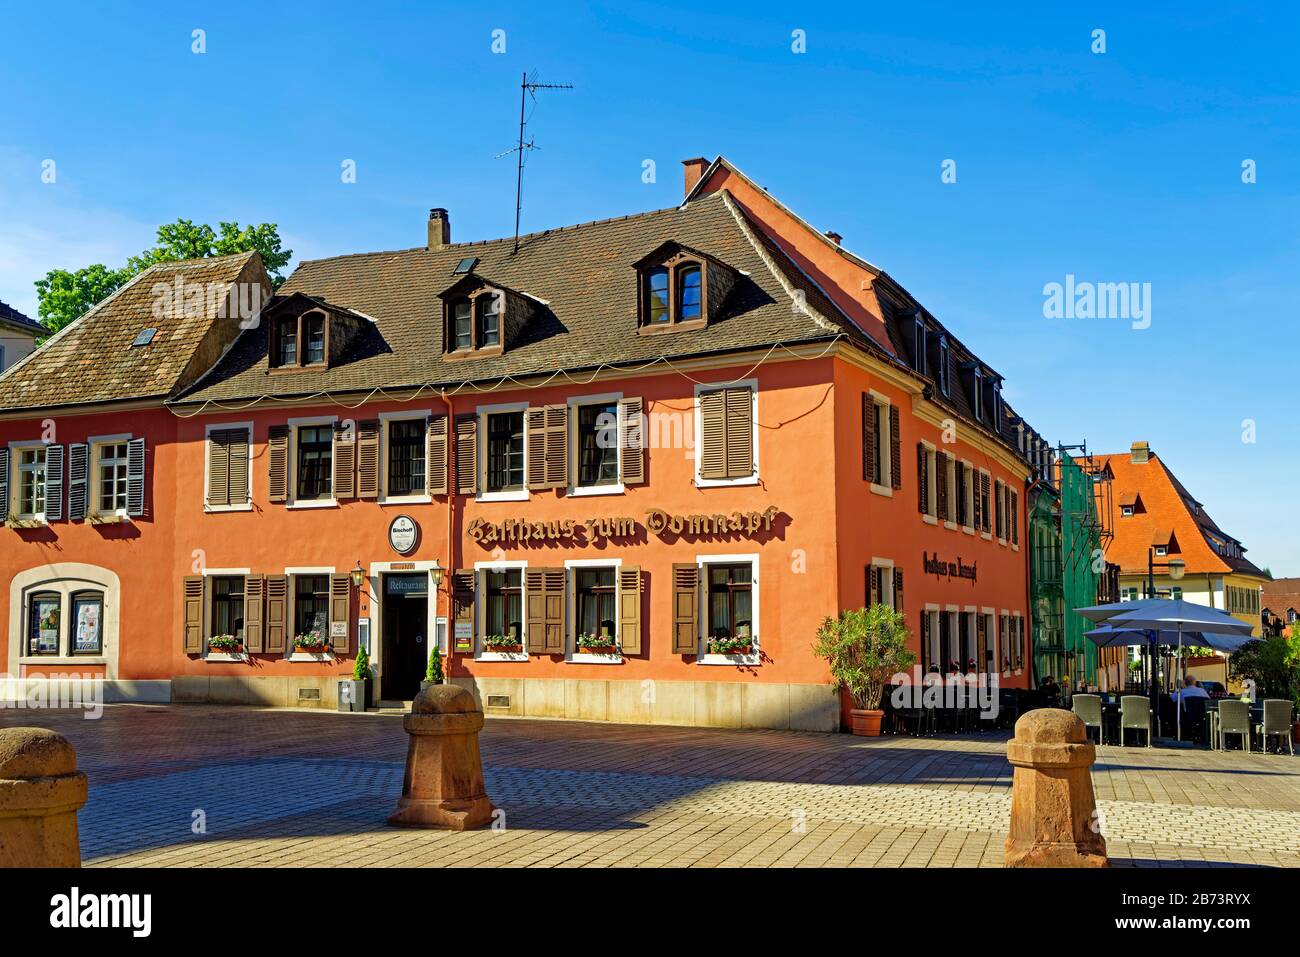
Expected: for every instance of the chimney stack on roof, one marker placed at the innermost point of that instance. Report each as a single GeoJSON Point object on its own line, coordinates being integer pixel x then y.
{"type": "Point", "coordinates": [439, 228]}
{"type": "Point", "coordinates": [1140, 452]}
{"type": "Point", "coordinates": [694, 170]}
{"type": "Point", "coordinates": [834, 237]}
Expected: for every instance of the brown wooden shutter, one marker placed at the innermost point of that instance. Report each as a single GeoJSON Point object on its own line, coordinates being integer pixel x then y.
{"type": "Point", "coordinates": [344, 461]}
{"type": "Point", "coordinates": [54, 456]}
{"type": "Point", "coordinates": [873, 586]}
{"type": "Point", "coordinates": [984, 502]}
{"type": "Point", "coordinates": [925, 640]}
{"type": "Point", "coordinates": [219, 468]}
{"type": "Point", "coordinates": [535, 466]}
{"type": "Point", "coordinates": [237, 467]}
{"type": "Point", "coordinates": [277, 461]}
{"type": "Point", "coordinates": [467, 454]}
{"type": "Point", "coordinates": [686, 622]}
{"type": "Point", "coordinates": [740, 433]}
{"type": "Point", "coordinates": [629, 610]}
{"type": "Point", "coordinates": [4, 483]}
{"type": "Point", "coordinates": [1014, 521]}
{"type": "Point", "coordinates": [277, 612]}
{"type": "Point", "coordinates": [544, 593]}
{"type": "Point", "coordinates": [632, 440]}
{"type": "Point", "coordinates": [895, 450]}
{"type": "Point", "coordinates": [254, 627]}
{"type": "Point", "coordinates": [982, 641]}
{"type": "Point", "coordinates": [922, 479]}
{"type": "Point", "coordinates": [78, 489]}
{"type": "Point", "coordinates": [192, 599]}
{"type": "Point", "coordinates": [898, 591]}
{"type": "Point", "coordinates": [367, 453]}
{"type": "Point", "coordinates": [462, 600]}
{"type": "Point", "coordinates": [557, 446]}
{"type": "Point", "coordinates": [713, 436]}
{"type": "Point", "coordinates": [868, 437]}
{"type": "Point", "coordinates": [941, 483]}
{"type": "Point", "coordinates": [341, 610]}
{"type": "Point", "coordinates": [437, 442]}
{"type": "Point", "coordinates": [977, 519]}
{"type": "Point", "coordinates": [135, 477]}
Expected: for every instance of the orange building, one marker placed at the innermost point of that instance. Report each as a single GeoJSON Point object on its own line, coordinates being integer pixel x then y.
{"type": "Point", "coordinates": [621, 473]}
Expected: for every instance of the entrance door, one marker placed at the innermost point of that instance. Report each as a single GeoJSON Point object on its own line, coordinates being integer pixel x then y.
{"type": "Point", "coordinates": [405, 635]}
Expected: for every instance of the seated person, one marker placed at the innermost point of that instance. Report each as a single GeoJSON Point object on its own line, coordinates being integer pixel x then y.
{"type": "Point", "coordinates": [1191, 689]}
{"type": "Point", "coordinates": [1051, 691]}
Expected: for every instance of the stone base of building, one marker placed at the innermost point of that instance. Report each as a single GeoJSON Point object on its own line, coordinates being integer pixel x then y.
{"type": "Point", "coordinates": [73, 691]}
{"type": "Point", "coordinates": [702, 704]}
{"type": "Point", "coordinates": [262, 692]}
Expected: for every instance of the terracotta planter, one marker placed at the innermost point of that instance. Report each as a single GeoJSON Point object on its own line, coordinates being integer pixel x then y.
{"type": "Point", "coordinates": [598, 649]}
{"type": "Point", "coordinates": [504, 649]}
{"type": "Point", "coordinates": [865, 723]}
{"type": "Point", "coordinates": [312, 649]}
{"type": "Point", "coordinates": [742, 650]}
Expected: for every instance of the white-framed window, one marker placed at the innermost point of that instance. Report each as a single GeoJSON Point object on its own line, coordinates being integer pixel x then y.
{"type": "Point", "coordinates": [950, 480]}
{"type": "Point", "coordinates": [29, 487]}
{"type": "Point", "coordinates": [503, 452]}
{"type": "Point", "coordinates": [1000, 511]}
{"type": "Point", "coordinates": [593, 609]}
{"type": "Point", "coordinates": [1126, 511]}
{"type": "Point", "coordinates": [499, 608]}
{"type": "Point", "coordinates": [735, 443]}
{"type": "Point", "coordinates": [729, 607]}
{"type": "Point", "coordinates": [880, 584]}
{"type": "Point", "coordinates": [970, 478]}
{"type": "Point", "coordinates": [311, 462]}
{"type": "Point", "coordinates": [943, 373]}
{"type": "Point", "coordinates": [931, 513]}
{"type": "Point", "coordinates": [992, 662]}
{"type": "Point", "coordinates": [595, 452]}
{"type": "Point", "coordinates": [108, 474]}
{"type": "Point", "coordinates": [881, 481]}
{"type": "Point", "coordinates": [404, 456]}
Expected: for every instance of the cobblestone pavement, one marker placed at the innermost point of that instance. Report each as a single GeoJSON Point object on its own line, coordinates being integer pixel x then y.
{"type": "Point", "coordinates": [300, 789]}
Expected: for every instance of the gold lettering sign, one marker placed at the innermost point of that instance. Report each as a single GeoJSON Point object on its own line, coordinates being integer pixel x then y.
{"type": "Point", "coordinates": [520, 531]}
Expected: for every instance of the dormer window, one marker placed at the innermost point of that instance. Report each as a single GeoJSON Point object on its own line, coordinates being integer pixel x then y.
{"type": "Point", "coordinates": [943, 366]}
{"type": "Point", "coordinates": [314, 337]}
{"type": "Point", "coordinates": [997, 404]}
{"type": "Point", "coordinates": [918, 343]}
{"type": "Point", "coordinates": [488, 310]}
{"type": "Point", "coordinates": [462, 325]}
{"type": "Point", "coordinates": [679, 288]}
{"type": "Point", "coordinates": [306, 332]}
{"type": "Point", "coordinates": [977, 392]}
{"type": "Point", "coordinates": [300, 340]}
{"type": "Point", "coordinates": [288, 330]}
{"type": "Point", "coordinates": [480, 318]}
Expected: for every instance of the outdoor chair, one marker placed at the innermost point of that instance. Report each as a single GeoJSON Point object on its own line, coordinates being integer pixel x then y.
{"type": "Point", "coordinates": [1134, 715]}
{"type": "Point", "coordinates": [1277, 721]}
{"type": "Point", "coordinates": [1088, 708]}
{"type": "Point", "coordinates": [1234, 718]}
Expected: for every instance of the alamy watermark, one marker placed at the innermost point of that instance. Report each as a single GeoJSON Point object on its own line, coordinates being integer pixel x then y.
{"type": "Point", "coordinates": [1098, 300]}
{"type": "Point", "coordinates": [84, 692]}
{"type": "Point", "coordinates": [226, 300]}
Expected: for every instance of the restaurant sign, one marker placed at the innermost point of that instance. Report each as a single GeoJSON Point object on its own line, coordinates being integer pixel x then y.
{"type": "Point", "coordinates": [518, 531]}
{"type": "Point", "coordinates": [939, 568]}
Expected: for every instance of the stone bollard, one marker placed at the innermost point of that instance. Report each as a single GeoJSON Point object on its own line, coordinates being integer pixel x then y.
{"type": "Point", "coordinates": [1053, 811]}
{"type": "Point", "coordinates": [41, 791]}
{"type": "Point", "coordinates": [444, 773]}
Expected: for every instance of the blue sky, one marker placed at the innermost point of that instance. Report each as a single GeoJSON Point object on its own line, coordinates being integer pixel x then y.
{"type": "Point", "coordinates": [1115, 167]}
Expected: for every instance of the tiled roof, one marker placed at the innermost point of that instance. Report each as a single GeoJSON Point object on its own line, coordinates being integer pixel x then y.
{"type": "Point", "coordinates": [583, 281]}
{"type": "Point", "coordinates": [93, 360]}
{"type": "Point", "coordinates": [1168, 510]}
{"type": "Point", "coordinates": [1279, 594]}
{"type": "Point", "coordinates": [11, 316]}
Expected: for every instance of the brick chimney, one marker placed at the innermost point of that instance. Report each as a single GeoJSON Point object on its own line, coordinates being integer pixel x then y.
{"type": "Point", "coordinates": [833, 236]}
{"type": "Point", "coordinates": [439, 228]}
{"type": "Point", "coordinates": [1140, 452]}
{"type": "Point", "coordinates": [694, 170]}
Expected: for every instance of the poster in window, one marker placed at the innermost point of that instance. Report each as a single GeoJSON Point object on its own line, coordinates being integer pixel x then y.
{"type": "Point", "coordinates": [47, 627]}
{"type": "Point", "coordinates": [87, 638]}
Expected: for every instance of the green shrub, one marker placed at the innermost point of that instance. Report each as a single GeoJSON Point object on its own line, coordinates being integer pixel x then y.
{"type": "Point", "coordinates": [434, 671]}
{"type": "Point", "coordinates": [865, 647]}
{"type": "Point", "coordinates": [361, 667]}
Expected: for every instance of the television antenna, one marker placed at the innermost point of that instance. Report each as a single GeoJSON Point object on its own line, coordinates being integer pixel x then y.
{"type": "Point", "coordinates": [527, 87]}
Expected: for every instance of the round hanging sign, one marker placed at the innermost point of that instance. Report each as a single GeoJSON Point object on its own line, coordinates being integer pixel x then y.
{"type": "Point", "coordinates": [403, 534]}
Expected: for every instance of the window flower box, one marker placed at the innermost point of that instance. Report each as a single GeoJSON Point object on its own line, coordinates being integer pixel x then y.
{"type": "Point", "coordinates": [313, 643]}
{"type": "Point", "coordinates": [731, 646]}
{"type": "Point", "coordinates": [226, 644]}
{"type": "Point", "coordinates": [597, 644]}
{"type": "Point", "coordinates": [503, 644]}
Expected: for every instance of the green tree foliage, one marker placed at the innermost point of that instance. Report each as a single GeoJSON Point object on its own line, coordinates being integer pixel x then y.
{"type": "Point", "coordinates": [65, 295]}
{"type": "Point", "coordinates": [865, 647]}
{"type": "Point", "coordinates": [1274, 663]}
{"type": "Point", "coordinates": [361, 667]}
{"type": "Point", "coordinates": [434, 671]}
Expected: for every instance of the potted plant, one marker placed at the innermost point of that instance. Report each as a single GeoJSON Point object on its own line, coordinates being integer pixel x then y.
{"type": "Point", "coordinates": [312, 642]}
{"type": "Point", "coordinates": [226, 644]}
{"type": "Point", "coordinates": [354, 693]}
{"type": "Point", "coordinates": [501, 643]}
{"type": "Point", "coordinates": [731, 645]}
{"type": "Point", "coordinates": [433, 673]}
{"type": "Point", "coordinates": [865, 647]}
{"type": "Point", "coordinates": [602, 644]}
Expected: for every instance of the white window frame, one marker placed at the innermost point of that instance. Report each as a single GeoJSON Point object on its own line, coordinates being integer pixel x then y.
{"type": "Point", "coordinates": [574, 403]}
{"type": "Point", "coordinates": [950, 481]}
{"type": "Point", "coordinates": [480, 607]}
{"type": "Point", "coordinates": [386, 419]}
{"type": "Point", "coordinates": [208, 429]}
{"type": "Point", "coordinates": [291, 500]}
{"type": "Point", "coordinates": [931, 514]}
{"type": "Point", "coordinates": [973, 635]}
{"type": "Point", "coordinates": [514, 495]}
{"type": "Point", "coordinates": [1161, 551]}
{"type": "Point", "coordinates": [219, 657]}
{"type": "Point", "coordinates": [1000, 507]}
{"type": "Point", "coordinates": [1022, 640]}
{"type": "Point", "coordinates": [16, 470]}
{"type": "Point", "coordinates": [932, 612]}
{"type": "Point", "coordinates": [991, 639]}
{"type": "Point", "coordinates": [95, 446]}
{"type": "Point", "coordinates": [754, 658]}
{"type": "Point", "coordinates": [988, 513]}
{"type": "Point", "coordinates": [704, 387]}
{"type": "Point", "coordinates": [572, 655]}
{"type": "Point", "coordinates": [884, 453]}
{"type": "Point", "coordinates": [972, 480]}
{"type": "Point", "coordinates": [887, 564]}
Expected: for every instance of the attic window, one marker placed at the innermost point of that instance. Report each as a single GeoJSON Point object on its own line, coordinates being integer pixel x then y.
{"type": "Point", "coordinates": [977, 392]}
{"type": "Point", "coordinates": [673, 294]}
{"type": "Point", "coordinates": [918, 343]}
{"type": "Point", "coordinates": [943, 365]}
{"type": "Point", "coordinates": [145, 337]}
{"type": "Point", "coordinates": [465, 266]}
{"type": "Point", "coordinates": [299, 342]}
{"type": "Point", "coordinates": [474, 321]}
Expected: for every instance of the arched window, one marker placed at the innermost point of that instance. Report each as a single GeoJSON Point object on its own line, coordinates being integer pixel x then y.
{"type": "Point", "coordinates": [657, 297]}
{"type": "Point", "coordinates": [462, 328]}
{"type": "Point", "coordinates": [688, 293]}
{"type": "Point", "coordinates": [488, 307]}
